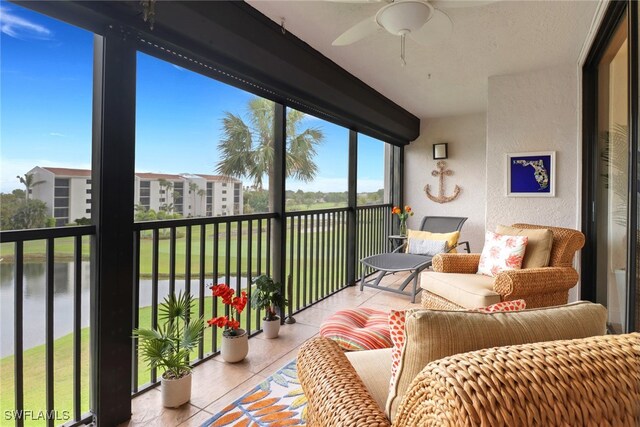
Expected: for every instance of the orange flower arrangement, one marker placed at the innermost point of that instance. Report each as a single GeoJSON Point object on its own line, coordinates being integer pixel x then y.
{"type": "Point", "coordinates": [402, 215]}
{"type": "Point", "coordinates": [236, 305]}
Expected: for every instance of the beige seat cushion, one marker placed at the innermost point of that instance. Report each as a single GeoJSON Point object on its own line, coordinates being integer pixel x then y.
{"type": "Point", "coordinates": [466, 290]}
{"type": "Point", "coordinates": [374, 369]}
{"type": "Point", "coordinates": [539, 245]}
{"type": "Point", "coordinates": [434, 334]}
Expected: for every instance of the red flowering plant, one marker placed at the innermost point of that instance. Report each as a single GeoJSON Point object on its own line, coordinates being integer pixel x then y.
{"type": "Point", "coordinates": [235, 303]}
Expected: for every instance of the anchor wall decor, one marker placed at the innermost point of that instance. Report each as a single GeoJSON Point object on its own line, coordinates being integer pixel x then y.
{"type": "Point", "coordinates": [441, 172]}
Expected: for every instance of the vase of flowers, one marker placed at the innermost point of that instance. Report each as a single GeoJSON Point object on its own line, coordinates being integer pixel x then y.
{"type": "Point", "coordinates": [268, 296]}
{"type": "Point", "coordinates": [168, 346]}
{"type": "Point", "coordinates": [235, 341]}
{"type": "Point", "coordinates": [403, 214]}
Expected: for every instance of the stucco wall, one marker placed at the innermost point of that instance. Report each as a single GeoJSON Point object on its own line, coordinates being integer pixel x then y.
{"type": "Point", "coordinates": [534, 111]}
{"type": "Point", "coordinates": [466, 136]}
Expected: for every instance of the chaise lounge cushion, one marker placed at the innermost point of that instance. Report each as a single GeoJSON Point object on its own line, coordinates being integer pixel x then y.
{"type": "Point", "coordinates": [434, 334]}
{"type": "Point", "coordinates": [372, 368]}
{"type": "Point", "coordinates": [465, 290]}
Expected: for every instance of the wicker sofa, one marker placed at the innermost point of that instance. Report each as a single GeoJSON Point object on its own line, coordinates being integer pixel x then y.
{"type": "Point", "coordinates": [587, 381]}
{"type": "Point", "coordinates": [453, 284]}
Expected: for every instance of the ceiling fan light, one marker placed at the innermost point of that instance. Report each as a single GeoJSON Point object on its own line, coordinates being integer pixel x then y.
{"type": "Point", "coordinates": [405, 16]}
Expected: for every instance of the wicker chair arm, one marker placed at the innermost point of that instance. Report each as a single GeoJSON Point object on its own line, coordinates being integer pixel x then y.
{"type": "Point", "coordinates": [590, 381]}
{"type": "Point", "coordinates": [456, 263]}
{"type": "Point", "coordinates": [516, 284]}
{"type": "Point", "coordinates": [335, 393]}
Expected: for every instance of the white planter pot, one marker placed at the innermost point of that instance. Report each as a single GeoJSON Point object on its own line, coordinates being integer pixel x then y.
{"type": "Point", "coordinates": [235, 348]}
{"type": "Point", "coordinates": [271, 328]}
{"type": "Point", "coordinates": [176, 392]}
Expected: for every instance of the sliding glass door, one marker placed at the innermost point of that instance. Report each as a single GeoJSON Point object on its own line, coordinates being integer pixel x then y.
{"type": "Point", "coordinates": [612, 199]}
{"type": "Point", "coordinates": [609, 265]}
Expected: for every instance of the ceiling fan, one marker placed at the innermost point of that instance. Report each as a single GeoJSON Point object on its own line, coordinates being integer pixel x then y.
{"type": "Point", "coordinates": [422, 20]}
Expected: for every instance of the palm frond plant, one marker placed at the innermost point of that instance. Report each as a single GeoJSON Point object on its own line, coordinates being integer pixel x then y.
{"type": "Point", "coordinates": [615, 158]}
{"type": "Point", "coordinates": [168, 347]}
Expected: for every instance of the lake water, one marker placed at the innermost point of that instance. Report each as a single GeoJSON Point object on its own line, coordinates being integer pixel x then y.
{"type": "Point", "coordinates": [35, 299]}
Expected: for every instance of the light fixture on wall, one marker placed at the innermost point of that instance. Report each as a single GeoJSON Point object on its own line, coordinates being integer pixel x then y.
{"type": "Point", "coordinates": [440, 151]}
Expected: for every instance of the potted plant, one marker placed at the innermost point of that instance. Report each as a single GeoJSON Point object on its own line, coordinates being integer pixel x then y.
{"type": "Point", "coordinates": [235, 341]}
{"type": "Point", "coordinates": [268, 296]}
{"type": "Point", "coordinates": [167, 348]}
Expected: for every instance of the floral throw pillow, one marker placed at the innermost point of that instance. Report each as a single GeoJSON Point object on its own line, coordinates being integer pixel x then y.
{"type": "Point", "coordinates": [501, 253]}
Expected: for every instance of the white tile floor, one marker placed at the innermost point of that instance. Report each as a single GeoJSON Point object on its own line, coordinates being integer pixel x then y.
{"type": "Point", "coordinates": [216, 384]}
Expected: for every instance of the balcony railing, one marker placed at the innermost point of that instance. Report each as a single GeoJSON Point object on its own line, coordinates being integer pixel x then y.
{"type": "Point", "coordinates": [62, 403]}
{"type": "Point", "coordinates": [374, 225]}
{"type": "Point", "coordinates": [188, 255]}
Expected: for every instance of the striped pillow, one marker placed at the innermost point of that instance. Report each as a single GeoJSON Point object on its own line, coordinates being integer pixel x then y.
{"type": "Point", "coordinates": [358, 329]}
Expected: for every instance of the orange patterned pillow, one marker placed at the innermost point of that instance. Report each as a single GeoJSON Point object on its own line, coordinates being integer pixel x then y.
{"type": "Point", "coordinates": [396, 329]}
{"type": "Point", "coordinates": [503, 306]}
{"type": "Point", "coordinates": [397, 321]}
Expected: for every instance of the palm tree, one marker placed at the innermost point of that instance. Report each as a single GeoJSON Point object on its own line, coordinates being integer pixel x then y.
{"type": "Point", "coordinates": [28, 181]}
{"type": "Point", "coordinates": [167, 186]}
{"type": "Point", "coordinates": [247, 147]}
{"type": "Point", "coordinates": [202, 193]}
{"type": "Point", "coordinates": [193, 189]}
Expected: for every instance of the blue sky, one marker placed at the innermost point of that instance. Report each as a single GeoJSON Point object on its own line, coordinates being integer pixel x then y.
{"type": "Point", "coordinates": [45, 111]}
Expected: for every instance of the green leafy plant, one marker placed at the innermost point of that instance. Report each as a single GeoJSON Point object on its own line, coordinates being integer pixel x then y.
{"type": "Point", "coordinates": [167, 348]}
{"type": "Point", "coordinates": [268, 296]}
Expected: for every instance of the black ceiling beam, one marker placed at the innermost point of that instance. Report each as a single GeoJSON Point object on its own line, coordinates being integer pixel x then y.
{"type": "Point", "coordinates": [243, 42]}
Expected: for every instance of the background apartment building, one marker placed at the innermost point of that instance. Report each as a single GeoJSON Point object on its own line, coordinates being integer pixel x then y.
{"type": "Point", "coordinates": [67, 193]}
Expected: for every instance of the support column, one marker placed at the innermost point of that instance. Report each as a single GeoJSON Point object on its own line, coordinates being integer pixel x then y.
{"type": "Point", "coordinates": [278, 234]}
{"type": "Point", "coordinates": [352, 202]}
{"type": "Point", "coordinates": [114, 107]}
{"type": "Point", "coordinates": [397, 194]}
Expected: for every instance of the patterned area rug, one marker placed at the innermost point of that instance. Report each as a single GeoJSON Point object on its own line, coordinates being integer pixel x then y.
{"type": "Point", "coordinates": [278, 401]}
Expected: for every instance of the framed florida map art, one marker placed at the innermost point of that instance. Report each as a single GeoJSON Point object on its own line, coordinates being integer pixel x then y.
{"type": "Point", "coordinates": [531, 174]}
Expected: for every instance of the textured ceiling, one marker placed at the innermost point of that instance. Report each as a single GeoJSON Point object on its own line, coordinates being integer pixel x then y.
{"type": "Point", "coordinates": [447, 77]}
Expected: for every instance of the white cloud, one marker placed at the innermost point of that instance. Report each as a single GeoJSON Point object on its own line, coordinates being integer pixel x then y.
{"type": "Point", "coordinates": [20, 28]}
{"type": "Point", "coordinates": [57, 134]}
{"type": "Point", "coordinates": [10, 168]}
{"type": "Point", "coordinates": [177, 67]}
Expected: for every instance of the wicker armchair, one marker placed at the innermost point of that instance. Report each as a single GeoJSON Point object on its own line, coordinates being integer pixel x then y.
{"type": "Point", "coordinates": [589, 381]}
{"type": "Point", "coordinates": [539, 287]}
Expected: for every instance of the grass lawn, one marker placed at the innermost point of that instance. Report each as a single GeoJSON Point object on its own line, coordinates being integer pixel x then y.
{"type": "Point", "coordinates": [35, 370]}
{"type": "Point", "coordinates": [34, 251]}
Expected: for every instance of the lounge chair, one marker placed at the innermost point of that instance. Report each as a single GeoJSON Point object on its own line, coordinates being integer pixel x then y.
{"type": "Point", "coordinates": [399, 260]}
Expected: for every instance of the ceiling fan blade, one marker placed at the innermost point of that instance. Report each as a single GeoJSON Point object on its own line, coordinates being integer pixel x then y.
{"type": "Point", "coordinates": [356, 1]}
{"type": "Point", "coordinates": [436, 30]}
{"type": "Point", "coordinates": [457, 4]}
{"type": "Point", "coordinates": [359, 31]}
